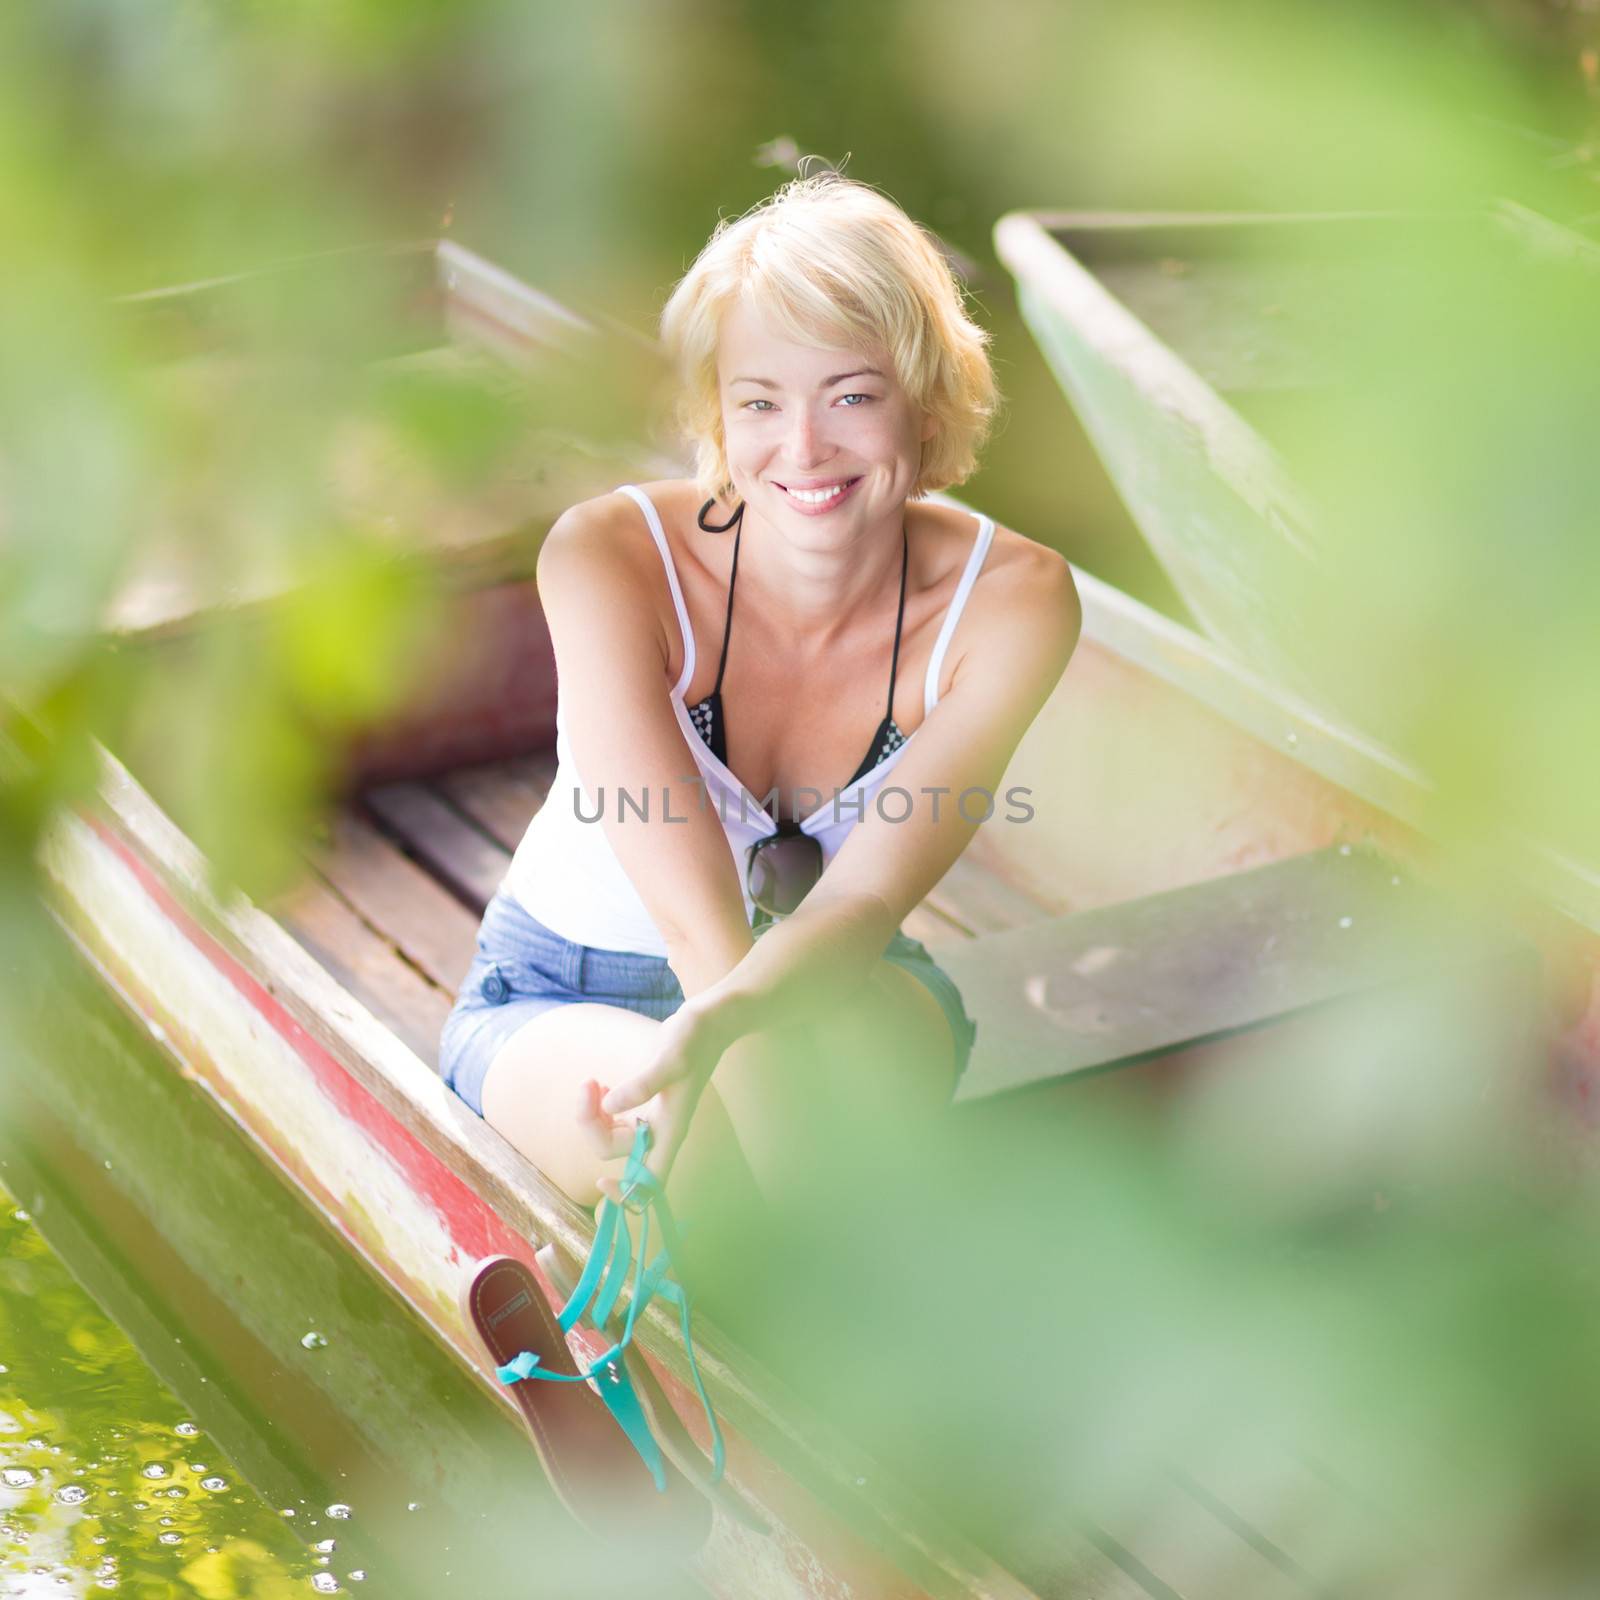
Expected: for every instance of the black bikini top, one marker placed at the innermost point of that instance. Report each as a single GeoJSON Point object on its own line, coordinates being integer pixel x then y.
{"type": "Point", "coordinates": [707, 716]}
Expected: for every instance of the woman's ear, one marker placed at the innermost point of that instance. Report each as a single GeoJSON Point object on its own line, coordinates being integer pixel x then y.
{"type": "Point", "coordinates": [930, 426]}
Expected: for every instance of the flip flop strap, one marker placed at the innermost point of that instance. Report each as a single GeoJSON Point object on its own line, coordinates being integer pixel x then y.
{"type": "Point", "coordinates": [606, 1271]}
{"type": "Point", "coordinates": [638, 1179]}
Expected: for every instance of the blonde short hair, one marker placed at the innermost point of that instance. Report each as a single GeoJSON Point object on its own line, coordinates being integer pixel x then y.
{"type": "Point", "coordinates": [832, 260]}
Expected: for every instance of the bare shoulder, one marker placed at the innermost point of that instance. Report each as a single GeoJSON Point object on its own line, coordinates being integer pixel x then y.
{"type": "Point", "coordinates": [1024, 585]}
{"type": "Point", "coordinates": [600, 534]}
{"type": "Point", "coordinates": [599, 576]}
{"type": "Point", "coordinates": [611, 532]}
{"type": "Point", "coordinates": [1022, 619]}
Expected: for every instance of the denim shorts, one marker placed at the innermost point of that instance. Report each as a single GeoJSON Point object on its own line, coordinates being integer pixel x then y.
{"type": "Point", "coordinates": [522, 969]}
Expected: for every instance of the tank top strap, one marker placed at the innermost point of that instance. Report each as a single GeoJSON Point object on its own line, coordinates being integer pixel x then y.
{"type": "Point", "coordinates": [969, 576]}
{"type": "Point", "coordinates": [658, 533]}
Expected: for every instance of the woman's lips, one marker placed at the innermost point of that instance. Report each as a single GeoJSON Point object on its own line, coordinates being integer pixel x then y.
{"type": "Point", "coordinates": [812, 506]}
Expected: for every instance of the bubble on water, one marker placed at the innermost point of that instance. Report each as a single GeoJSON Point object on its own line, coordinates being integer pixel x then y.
{"type": "Point", "coordinates": [321, 1561]}
{"type": "Point", "coordinates": [101, 1538]}
{"type": "Point", "coordinates": [177, 1493]}
{"type": "Point", "coordinates": [412, 1505]}
{"type": "Point", "coordinates": [108, 1583]}
{"type": "Point", "coordinates": [155, 1469]}
{"type": "Point", "coordinates": [358, 1576]}
{"type": "Point", "coordinates": [36, 1444]}
{"type": "Point", "coordinates": [187, 1429]}
{"type": "Point", "coordinates": [215, 1485]}
{"type": "Point", "coordinates": [166, 1522]}
{"type": "Point", "coordinates": [288, 1511]}
{"type": "Point", "coordinates": [197, 1466]}
{"type": "Point", "coordinates": [141, 1505]}
{"type": "Point", "coordinates": [19, 1215]}
{"type": "Point", "coordinates": [324, 1583]}
{"type": "Point", "coordinates": [339, 1510]}
{"type": "Point", "coordinates": [170, 1538]}
{"type": "Point", "coordinates": [4, 1367]}
{"type": "Point", "coordinates": [72, 1494]}
{"type": "Point", "coordinates": [1344, 849]}
{"type": "Point", "coordinates": [326, 1546]}
{"type": "Point", "coordinates": [18, 1477]}
{"type": "Point", "coordinates": [1347, 922]}
{"type": "Point", "coordinates": [314, 1341]}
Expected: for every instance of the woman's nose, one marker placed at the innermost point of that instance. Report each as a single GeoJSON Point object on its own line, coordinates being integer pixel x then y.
{"type": "Point", "coordinates": [807, 441]}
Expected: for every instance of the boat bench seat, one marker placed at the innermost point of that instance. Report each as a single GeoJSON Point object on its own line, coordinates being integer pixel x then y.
{"type": "Point", "coordinates": [393, 898]}
{"type": "Point", "coordinates": [1139, 980]}
{"type": "Point", "coordinates": [393, 903]}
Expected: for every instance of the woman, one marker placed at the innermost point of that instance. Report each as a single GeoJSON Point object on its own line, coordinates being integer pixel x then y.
{"type": "Point", "coordinates": [703, 928]}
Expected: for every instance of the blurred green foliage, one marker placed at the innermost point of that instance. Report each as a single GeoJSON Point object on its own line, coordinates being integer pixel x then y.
{"type": "Point", "coordinates": [1308, 1264]}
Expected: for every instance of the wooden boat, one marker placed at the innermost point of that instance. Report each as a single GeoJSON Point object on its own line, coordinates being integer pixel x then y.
{"type": "Point", "coordinates": [1183, 341]}
{"type": "Point", "coordinates": [1238, 808]}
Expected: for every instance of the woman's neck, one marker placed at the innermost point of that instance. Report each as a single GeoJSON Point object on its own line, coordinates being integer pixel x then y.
{"type": "Point", "coordinates": [809, 597]}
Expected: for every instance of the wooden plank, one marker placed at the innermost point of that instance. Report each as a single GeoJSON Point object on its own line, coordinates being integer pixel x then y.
{"type": "Point", "coordinates": [1192, 1553]}
{"type": "Point", "coordinates": [932, 927]}
{"type": "Point", "coordinates": [979, 900]}
{"type": "Point", "coordinates": [501, 797]}
{"type": "Point", "coordinates": [1299, 1521]}
{"type": "Point", "coordinates": [371, 969]}
{"type": "Point", "coordinates": [399, 900]}
{"type": "Point", "coordinates": [463, 858]}
{"type": "Point", "coordinates": [1127, 981]}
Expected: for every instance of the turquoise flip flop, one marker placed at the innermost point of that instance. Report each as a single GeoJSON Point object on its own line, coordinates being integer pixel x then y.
{"type": "Point", "coordinates": [595, 1297]}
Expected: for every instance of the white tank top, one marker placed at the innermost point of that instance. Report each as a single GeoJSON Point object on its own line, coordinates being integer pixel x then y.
{"type": "Point", "coordinates": [566, 874]}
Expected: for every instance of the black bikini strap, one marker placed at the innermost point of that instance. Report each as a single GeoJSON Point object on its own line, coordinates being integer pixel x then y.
{"type": "Point", "coordinates": [905, 561]}
{"type": "Point", "coordinates": [727, 621]}
{"type": "Point", "coordinates": [718, 527]}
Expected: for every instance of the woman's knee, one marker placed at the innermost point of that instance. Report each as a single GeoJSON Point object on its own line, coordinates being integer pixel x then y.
{"type": "Point", "coordinates": [895, 1038]}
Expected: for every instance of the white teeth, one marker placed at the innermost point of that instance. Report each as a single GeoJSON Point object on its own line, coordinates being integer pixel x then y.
{"type": "Point", "coordinates": [815, 497]}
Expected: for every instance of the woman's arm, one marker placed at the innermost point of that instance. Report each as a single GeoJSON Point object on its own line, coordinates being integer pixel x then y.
{"type": "Point", "coordinates": [598, 578]}
{"type": "Point", "coordinates": [1022, 641]}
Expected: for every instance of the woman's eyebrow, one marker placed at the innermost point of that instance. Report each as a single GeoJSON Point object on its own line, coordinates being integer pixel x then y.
{"type": "Point", "coordinates": [827, 383]}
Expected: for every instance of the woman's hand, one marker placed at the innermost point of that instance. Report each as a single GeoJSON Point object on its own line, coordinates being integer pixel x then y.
{"type": "Point", "coordinates": [689, 1045]}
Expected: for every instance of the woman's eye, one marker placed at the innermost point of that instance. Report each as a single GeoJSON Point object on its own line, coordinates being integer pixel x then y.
{"type": "Point", "coordinates": [844, 397]}
{"type": "Point", "coordinates": [750, 404]}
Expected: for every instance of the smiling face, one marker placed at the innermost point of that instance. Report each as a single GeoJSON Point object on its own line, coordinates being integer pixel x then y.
{"type": "Point", "coordinates": [814, 432]}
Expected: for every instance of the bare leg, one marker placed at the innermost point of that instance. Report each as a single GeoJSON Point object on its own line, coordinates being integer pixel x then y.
{"type": "Point", "coordinates": [536, 1094]}
{"type": "Point", "coordinates": [830, 1103]}
{"type": "Point", "coordinates": [783, 1108]}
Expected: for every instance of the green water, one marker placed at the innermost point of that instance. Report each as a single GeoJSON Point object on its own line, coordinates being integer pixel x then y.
{"type": "Point", "coordinates": [108, 1480]}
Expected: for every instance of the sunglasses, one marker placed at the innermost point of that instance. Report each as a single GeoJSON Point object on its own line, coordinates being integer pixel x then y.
{"type": "Point", "coordinates": [782, 869]}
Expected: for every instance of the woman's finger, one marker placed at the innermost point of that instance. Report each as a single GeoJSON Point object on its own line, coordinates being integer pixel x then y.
{"type": "Point", "coordinates": [631, 1095]}
{"type": "Point", "coordinates": [608, 1136]}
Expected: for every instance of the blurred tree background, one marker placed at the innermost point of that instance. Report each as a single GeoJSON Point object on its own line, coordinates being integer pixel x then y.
{"type": "Point", "coordinates": [146, 144]}
{"type": "Point", "coordinates": [153, 143]}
